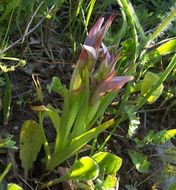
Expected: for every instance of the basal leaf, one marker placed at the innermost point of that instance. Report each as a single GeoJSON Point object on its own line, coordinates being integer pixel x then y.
{"type": "Point", "coordinates": [149, 81]}
{"type": "Point", "coordinates": [139, 160]}
{"type": "Point", "coordinates": [84, 169]}
{"type": "Point", "coordinates": [77, 143]}
{"type": "Point", "coordinates": [30, 143]}
{"type": "Point", "coordinates": [108, 163]}
{"type": "Point", "coordinates": [54, 116]}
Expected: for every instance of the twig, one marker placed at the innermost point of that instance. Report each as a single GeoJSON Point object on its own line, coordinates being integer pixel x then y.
{"type": "Point", "coordinates": [146, 179]}
{"type": "Point", "coordinates": [25, 182]}
{"type": "Point", "coordinates": [27, 34]}
{"type": "Point", "coordinates": [32, 18]}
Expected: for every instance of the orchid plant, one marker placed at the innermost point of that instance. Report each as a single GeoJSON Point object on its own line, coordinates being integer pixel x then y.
{"type": "Point", "coordinates": [90, 92]}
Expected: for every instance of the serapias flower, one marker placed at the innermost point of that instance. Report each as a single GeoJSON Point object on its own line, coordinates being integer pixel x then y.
{"type": "Point", "coordinates": [91, 51]}
{"type": "Point", "coordinates": [102, 80]}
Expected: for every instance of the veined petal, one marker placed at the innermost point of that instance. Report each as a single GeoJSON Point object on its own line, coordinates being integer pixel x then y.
{"type": "Point", "coordinates": [103, 31]}
{"type": "Point", "coordinates": [94, 32]}
{"type": "Point", "coordinates": [88, 57]}
{"type": "Point", "coordinates": [109, 85]}
{"type": "Point", "coordinates": [117, 83]}
{"type": "Point", "coordinates": [91, 52]}
{"type": "Point", "coordinates": [113, 61]}
{"type": "Point", "coordinates": [104, 53]}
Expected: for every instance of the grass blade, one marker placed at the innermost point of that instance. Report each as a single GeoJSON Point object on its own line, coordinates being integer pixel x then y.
{"type": "Point", "coordinates": [91, 6]}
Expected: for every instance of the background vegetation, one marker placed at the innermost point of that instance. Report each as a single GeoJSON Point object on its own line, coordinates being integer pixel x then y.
{"type": "Point", "coordinates": [40, 43]}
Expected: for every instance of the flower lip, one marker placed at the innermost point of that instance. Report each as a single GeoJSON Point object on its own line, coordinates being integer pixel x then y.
{"type": "Point", "coordinates": [110, 84]}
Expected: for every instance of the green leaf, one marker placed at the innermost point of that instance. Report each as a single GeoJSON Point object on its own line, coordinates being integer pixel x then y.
{"type": "Point", "coordinates": [54, 116]}
{"type": "Point", "coordinates": [139, 160]}
{"type": "Point", "coordinates": [173, 186]}
{"type": "Point", "coordinates": [30, 143]}
{"type": "Point", "coordinates": [167, 47]}
{"type": "Point", "coordinates": [134, 120]}
{"type": "Point", "coordinates": [79, 126]}
{"type": "Point", "coordinates": [129, 8]}
{"type": "Point", "coordinates": [108, 163]}
{"type": "Point", "coordinates": [56, 86]}
{"type": "Point", "coordinates": [110, 181]}
{"type": "Point", "coordinates": [156, 138]}
{"type": "Point", "coordinates": [102, 106]}
{"type": "Point", "coordinates": [7, 142]}
{"type": "Point", "coordinates": [163, 136]}
{"type": "Point", "coordinates": [13, 186]}
{"type": "Point", "coordinates": [84, 169]}
{"type": "Point", "coordinates": [77, 143]}
{"type": "Point", "coordinates": [149, 81]}
{"type": "Point", "coordinates": [162, 78]}
{"type": "Point", "coordinates": [146, 140]}
{"type": "Point", "coordinates": [133, 22]}
{"type": "Point", "coordinates": [75, 115]}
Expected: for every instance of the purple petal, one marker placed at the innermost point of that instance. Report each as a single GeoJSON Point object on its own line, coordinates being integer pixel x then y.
{"type": "Point", "coordinates": [91, 51]}
{"type": "Point", "coordinates": [117, 83]}
{"type": "Point", "coordinates": [94, 32]}
{"type": "Point", "coordinates": [88, 57]}
{"type": "Point", "coordinates": [109, 85]}
{"type": "Point", "coordinates": [103, 31]}
{"type": "Point", "coordinates": [113, 61]}
{"type": "Point", "coordinates": [104, 53]}
{"type": "Point", "coordinates": [87, 53]}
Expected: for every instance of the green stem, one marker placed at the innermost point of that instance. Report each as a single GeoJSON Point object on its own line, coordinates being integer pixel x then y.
{"type": "Point", "coordinates": [162, 26]}
{"type": "Point", "coordinates": [158, 31]}
{"type": "Point", "coordinates": [45, 142]}
{"type": "Point", "coordinates": [7, 99]}
{"type": "Point", "coordinates": [5, 172]}
{"type": "Point", "coordinates": [84, 186]}
{"type": "Point", "coordinates": [53, 182]}
{"type": "Point", "coordinates": [126, 6]}
{"type": "Point", "coordinates": [11, 58]}
{"type": "Point", "coordinates": [112, 132]}
{"type": "Point", "coordinates": [92, 150]}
